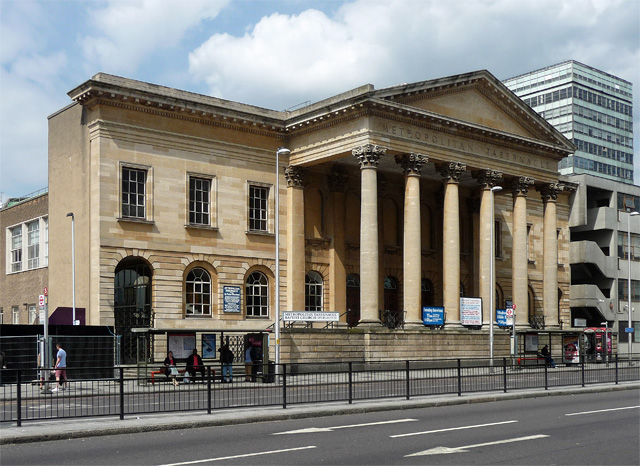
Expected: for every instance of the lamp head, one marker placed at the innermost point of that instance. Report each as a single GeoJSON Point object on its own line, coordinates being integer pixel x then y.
{"type": "Point", "coordinates": [633, 214]}
{"type": "Point", "coordinates": [282, 151]}
{"type": "Point", "coordinates": [70, 214]}
{"type": "Point", "coordinates": [496, 189]}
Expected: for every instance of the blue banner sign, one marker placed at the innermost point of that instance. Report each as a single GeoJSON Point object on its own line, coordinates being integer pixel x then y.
{"type": "Point", "coordinates": [231, 299]}
{"type": "Point", "coordinates": [433, 315]}
{"type": "Point", "coordinates": [501, 318]}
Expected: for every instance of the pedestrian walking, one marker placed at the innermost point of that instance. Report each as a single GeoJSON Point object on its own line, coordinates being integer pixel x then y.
{"type": "Point", "coordinates": [248, 363]}
{"type": "Point", "coordinates": [61, 368]}
{"type": "Point", "coordinates": [226, 358]}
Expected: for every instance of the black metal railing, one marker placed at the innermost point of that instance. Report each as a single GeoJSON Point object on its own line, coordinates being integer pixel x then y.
{"type": "Point", "coordinates": [26, 399]}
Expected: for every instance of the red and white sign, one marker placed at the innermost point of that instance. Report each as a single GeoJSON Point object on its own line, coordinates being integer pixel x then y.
{"type": "Point", "coordinates": [41, 300]}
{"type": "Point", "coordinates": [46, 291]}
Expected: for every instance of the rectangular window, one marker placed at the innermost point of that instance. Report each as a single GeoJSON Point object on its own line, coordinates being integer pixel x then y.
{"type": "Point", "coordinates": [134, 192]}
{"type": "Point", "coordinates": [529, 243]}
{"type": "Point", "coordinates": [33, 245]}
{"type": "Point", "coordinates": [15, 315]}
{"type": "Point", "coordinates": [623, 285]}
{"type": "Point", "coordinates": [16, 249]}
{"type": "Point", "coordinates": [258, 207]}
{"type": "Point", "coordinates": [32, 314]}
{"type": "Point", "coordinates": [199, 201]}
{"type": "Point", "coordinates": [46, 242]}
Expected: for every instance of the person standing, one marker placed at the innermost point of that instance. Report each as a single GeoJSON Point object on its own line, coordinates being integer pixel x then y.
{"type": "Point", "coordinates": [226, 358]}
{"type": "Point", "coordinates": [61, 368]}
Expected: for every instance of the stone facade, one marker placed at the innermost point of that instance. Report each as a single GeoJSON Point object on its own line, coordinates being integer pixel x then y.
{"type": "Point", "coordinates": [380, 191]}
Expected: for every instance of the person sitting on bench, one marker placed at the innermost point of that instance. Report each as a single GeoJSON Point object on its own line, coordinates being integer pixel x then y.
{"type": "Point", "coordinates": [547, 356]}
{"type": "Point", "coordinates": [194, 364]}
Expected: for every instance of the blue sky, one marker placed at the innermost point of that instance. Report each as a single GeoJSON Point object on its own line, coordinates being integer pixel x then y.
{"type": "Point", "coordinates": [278, 54]}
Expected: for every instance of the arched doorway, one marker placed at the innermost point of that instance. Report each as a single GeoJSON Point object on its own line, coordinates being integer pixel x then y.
{"type": "Point", "coordinates": [353, 300]}
{"type": "Point", "coordinates": [132, 303]}
{"type": "Point", "coordinates": [427, 292]}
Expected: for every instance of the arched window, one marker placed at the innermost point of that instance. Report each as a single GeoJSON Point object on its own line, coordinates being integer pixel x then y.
{"type": "Point", "coordinates": [198, 291]}
{"type": "Point", "coordinates": [427, 292]}
{"type": "Point", "coordinates": [313, 292]}
{"type": "Point", "coordinates": [257, 295]}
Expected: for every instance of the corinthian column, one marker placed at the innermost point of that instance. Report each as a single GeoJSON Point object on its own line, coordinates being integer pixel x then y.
{"type": "Point", "coordinates": [412, 250]}
{"type": "Point", "coordinates": [549, 193]}
{"type": "Point", "coordinates": [295, 238]}
{"type": "Point", "coordinates": [368, 157]}
{"type": "Point", "coordinates": [337, 272]}
{"type": "Point", "coordinates": [519, 259]}
{"type": "Point", "coordinates": [487, 180]}
{"type": "Point", "coordinates": [451, 173]}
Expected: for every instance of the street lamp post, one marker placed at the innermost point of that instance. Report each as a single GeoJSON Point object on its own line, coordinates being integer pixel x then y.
{"type": "Point", "coordinates": [492, 277]}
{"type": "Point", "coordinates": [279, 152]}
{"type": "Point", "coordinates": [73, 267]}
{"type": "Point", "coordinates": [631, 214]}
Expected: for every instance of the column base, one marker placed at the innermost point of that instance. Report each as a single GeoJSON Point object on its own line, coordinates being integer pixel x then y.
{"type": "Point", "coordinates": [413, 324]}
{"type": "Point", "coordinates": [369, 323]}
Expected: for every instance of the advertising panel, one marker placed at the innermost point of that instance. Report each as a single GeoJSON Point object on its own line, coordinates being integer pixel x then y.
{"type": "Point", "coordinates": [570, 349]}
{"type": "Point", "coordinates": [231, 299]}
{"type": "Point", "coordinates": [471, 311]}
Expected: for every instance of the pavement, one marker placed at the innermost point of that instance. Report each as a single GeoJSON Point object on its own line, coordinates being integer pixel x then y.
{"type": "Point", "coordinates": [61, 429]}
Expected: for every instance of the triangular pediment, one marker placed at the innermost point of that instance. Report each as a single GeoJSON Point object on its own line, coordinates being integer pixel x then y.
{"type": "Point", "coordinates": [478, 99]}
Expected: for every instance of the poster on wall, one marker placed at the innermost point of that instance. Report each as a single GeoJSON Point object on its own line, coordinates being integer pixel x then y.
{"type": "Point", "coordinates": [181, 344]}
{"type": "Point", "coordinates": [433, 315]}
{"type": "Point", "coordinates": [471, 311]}
{"type": "Point", "coordinates": [208, 346]}
{"type": "Point", "coordinates": [570, 349]}
{"type": "Point", "coordinates": [531, 343]}
{"type": "Point", "coordinates": [231, 299]}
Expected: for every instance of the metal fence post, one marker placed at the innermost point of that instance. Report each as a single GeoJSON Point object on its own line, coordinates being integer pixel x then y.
{"type": "Point", "coordinates": [504, 373]}
{"type": "Point", "coordinates": [459, 378]}
{"type": "Point", "coordinates": [408, 380]}
{"type": "Point", "coordinates": [582, 371]}
{"type": "Point", "coordinates": [350, 382]}
{"type": "Point", "coordinates": [284, 386]}
{"type": "Point", "coordinates": [546, 376]}
{"type": "Point", "coordinates": [121, 375]}
{"type": "Point", "coordinates": [209, 389]}
{"type": "Point", "coordinates": [19, 398]}
{"type": "Point", "coordinates": [616, 368]}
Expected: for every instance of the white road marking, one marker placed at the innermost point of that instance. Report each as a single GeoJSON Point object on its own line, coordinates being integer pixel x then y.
{"type": "Point", "coordinates": [448, 450]}
{"type": "Point", "coordinates": [451, 428]}
{"type": "Point", "coordinates": [246, 455]}
{"type": "Point", "coordinates": [311, 430]}
{"type": "Point", "coordinates": [602, 410]}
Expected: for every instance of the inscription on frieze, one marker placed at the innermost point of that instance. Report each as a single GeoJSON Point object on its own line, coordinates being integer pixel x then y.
{"type": "Point", "coordinates": [444, 140]}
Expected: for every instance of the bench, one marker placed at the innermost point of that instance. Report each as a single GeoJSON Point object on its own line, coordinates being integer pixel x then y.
{"type": "Point", "coordinates": [530, 360]}
{"type": "Point", "coordinates": [180, 371]}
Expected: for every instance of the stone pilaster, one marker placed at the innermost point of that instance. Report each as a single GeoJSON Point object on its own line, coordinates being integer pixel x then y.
{"type": "Point", "coordinates": [549, 193]}
{"type": "Point", "coordinates": [412, 246]}
{"type": "Point", "coordinates": [451, 173]}
{"type": "Point", "coordinates": [519, 259]}
{"type": "Point", "coordinates": [368, 157]}
{"type": "Point", "coordinates": [295, 238]}
{"type": "Point", "coordinates": [337, 271]}
{"type": "Point", "coordinates": [487, 283]}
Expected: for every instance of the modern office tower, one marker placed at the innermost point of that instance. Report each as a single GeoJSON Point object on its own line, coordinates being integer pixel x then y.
{"type": "Point", "coordinates": [593, 109]}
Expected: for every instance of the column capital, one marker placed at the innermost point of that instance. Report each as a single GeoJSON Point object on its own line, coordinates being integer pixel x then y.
{"type": "Point", "coordinates": [411, 163]}
{"type": "Point", "coordinates": [549, 191]}
{"type": "Point", "coordinates": [294, 175]}
{"type": "Point", "coordinates": [520, 185]}
{"type": "Point", "coordinates": [337, 180]}
{"type": "Point", "coordinates": [487, 178]}
{"type": "Point", "coordinates": [368, 155]}
{"type": "Point", "coordinates": [451, 171]}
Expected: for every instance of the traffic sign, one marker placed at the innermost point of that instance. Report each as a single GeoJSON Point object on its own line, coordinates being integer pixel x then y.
{"type": "Point", "coordinates": [41, 300]}
{"type": "Point", "coordinates": [46, 291]}
{"type": "Point", "coordinates": [628, 330]}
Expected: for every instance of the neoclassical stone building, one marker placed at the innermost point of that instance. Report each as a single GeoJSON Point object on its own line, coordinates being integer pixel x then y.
{"type": "Point", "coordinates": [385, 207]}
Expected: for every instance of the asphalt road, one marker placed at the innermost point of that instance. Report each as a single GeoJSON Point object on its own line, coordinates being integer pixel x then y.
{"type": "Point", "coordinates": [584, 429]}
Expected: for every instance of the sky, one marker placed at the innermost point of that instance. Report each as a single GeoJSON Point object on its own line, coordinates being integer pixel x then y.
{"type": "Point", "coordinates": [279, 54]}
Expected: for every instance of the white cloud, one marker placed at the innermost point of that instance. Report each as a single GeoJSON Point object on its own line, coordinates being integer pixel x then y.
{"type": "Point", "coordinates": [286, 59]}
{"type": "Point", "coordinates": [126, 34]}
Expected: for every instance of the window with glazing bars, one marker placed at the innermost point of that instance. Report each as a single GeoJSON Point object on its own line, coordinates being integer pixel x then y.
{"type": "Point", "coordinates": [16, 249]}
{"type": "Point", "coordinates": [258, 208]}
{"type": "Point", "coordinates": [134, 192]}
{"type": "Point", "coordinates": [199, 201]}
